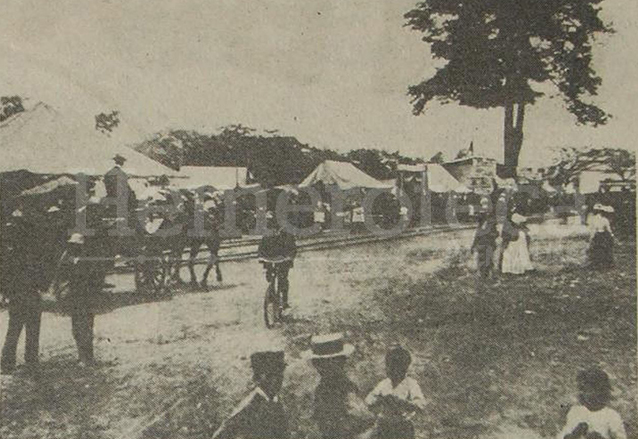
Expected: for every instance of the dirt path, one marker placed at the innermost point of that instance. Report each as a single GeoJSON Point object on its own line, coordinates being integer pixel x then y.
{"type": "Point", "coordinates": [174, 368]}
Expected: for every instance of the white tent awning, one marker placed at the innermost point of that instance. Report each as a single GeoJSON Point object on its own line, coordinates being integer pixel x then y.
{"type": "Point", "coordinates": [441, 181]}
{"type": "Point", "coordinates": [43, 141]}
{"type": "Point", "coordinates": [342, 174]}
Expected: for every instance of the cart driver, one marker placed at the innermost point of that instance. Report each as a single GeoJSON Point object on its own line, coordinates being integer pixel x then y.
{"type": "Point", "coordinates": [279, 245]}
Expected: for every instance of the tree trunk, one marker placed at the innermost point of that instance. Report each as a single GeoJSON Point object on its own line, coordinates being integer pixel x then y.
{"type": "Point", "coordinates": [513, 135]}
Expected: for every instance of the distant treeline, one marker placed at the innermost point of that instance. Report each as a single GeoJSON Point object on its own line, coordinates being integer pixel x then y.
{"type": "Point", "coordinates": [272, 159]}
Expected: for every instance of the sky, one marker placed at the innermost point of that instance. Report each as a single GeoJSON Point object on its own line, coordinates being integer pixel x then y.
{"type": "Point", "coordinates": [333, 73]}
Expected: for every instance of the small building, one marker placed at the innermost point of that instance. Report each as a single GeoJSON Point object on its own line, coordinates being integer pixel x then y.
{"type": "Point", "coordinates": [475, 172]}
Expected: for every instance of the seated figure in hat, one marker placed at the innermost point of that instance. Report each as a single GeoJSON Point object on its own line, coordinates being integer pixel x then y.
{"type": "Point", "coordinates": [397, 398]}
{"type": "Point", "coordinates": [338, 410]}
{"type": "Point", "coordinates": [261, 414]}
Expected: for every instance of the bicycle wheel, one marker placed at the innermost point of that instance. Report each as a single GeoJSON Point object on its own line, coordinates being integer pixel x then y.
{"type": "Point", "coordinates": [272, 308]}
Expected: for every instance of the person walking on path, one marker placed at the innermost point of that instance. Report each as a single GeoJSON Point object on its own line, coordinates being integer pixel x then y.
{"type": "Point", "coordinates": [261, 414]}
{"type": "Point", "coordinates": [516, 258]}
{"type": "Point", "coordinates": [601, 242]}
{"type": "Point", "coordinates": [338, 410]}
{"type": "Point", "coordinates": [484, 244]}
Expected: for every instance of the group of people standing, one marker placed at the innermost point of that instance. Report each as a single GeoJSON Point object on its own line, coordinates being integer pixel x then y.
{"type": "Point", "coordinates": [30, 276]}
{"type": "Point", "coordinates": [512, 256]}
{"type": "Point", "coordinates": [33, 242]}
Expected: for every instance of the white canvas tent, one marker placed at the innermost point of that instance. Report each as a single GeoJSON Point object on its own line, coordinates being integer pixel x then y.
{"type": "Point", "coordinates": [439, 179]}
{"type": "Point", "coordinates": [219, 177]}
{"type": "Point", "coordinates": [342, 174]}
{"type": "Point", "coordinates": [43, 141]}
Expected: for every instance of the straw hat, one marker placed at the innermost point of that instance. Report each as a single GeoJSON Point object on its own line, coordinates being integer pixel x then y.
{"type": "Point", "coordinates": [328, 346]}
{"type": "Point", "coordinates": [518, 219]}
{"type": "Point", "coordinates": [76, 238]}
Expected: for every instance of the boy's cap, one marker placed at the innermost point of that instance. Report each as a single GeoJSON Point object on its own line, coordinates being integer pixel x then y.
{"type": "Point", "coordinates": [268, 360]}
{"type": "Point", "coordinates": [328, 346]}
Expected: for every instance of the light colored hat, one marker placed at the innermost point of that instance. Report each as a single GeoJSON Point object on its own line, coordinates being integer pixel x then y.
{"type": "Point", "coordinates": [209, 204]}
{"type": "Point", "coordinates": [53, 209]}
{"type": "Point", "coordinates": [76, 238]}
{"type": "Point", "coordinates": [608, 209]}
{"type": "Point", "coordinates": [599, 206]}
{"type": "Point", "coordinates": [328, 346]}
{"type": "Point", "coordinates": [518, 219]}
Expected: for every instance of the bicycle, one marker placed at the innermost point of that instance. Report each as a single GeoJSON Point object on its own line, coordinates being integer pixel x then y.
{"type": "Point", "coordinates": [273, 301]}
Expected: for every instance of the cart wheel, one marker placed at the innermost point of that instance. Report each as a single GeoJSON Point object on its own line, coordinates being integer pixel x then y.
{"type": "Point", "coordinates": [150, 277]}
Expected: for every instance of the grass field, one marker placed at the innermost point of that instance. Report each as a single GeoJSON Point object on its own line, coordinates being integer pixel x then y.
{"type": "Point", "coordinates": [499, 358]}
{"type": "Point", "coordinates": [496, 358]}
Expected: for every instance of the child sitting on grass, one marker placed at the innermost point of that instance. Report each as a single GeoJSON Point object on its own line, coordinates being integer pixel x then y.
{"type": "Point", "coordinates": [592, 419]}
{"type": "Point", "coordinates": [397, 398]}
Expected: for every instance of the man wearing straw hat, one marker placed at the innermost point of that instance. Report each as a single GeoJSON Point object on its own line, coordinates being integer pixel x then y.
{"type": "Point", "coordinates": [339, 412]}
{"type": "Point", "coordinates": [261, 414]}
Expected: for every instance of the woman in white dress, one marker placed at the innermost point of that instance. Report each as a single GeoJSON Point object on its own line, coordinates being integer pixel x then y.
{"type": "Point", "coordinates": [601, 242]}
{"type": "Point", "coordinates": [516, 259]}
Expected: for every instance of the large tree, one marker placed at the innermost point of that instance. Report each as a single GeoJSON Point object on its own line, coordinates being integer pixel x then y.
{"type": "Point", "coordinates": [571, 162]}
{"type": "Point", "coordinates": [10, 105]}
{"type": "Point", "coordinates": [495, 50]}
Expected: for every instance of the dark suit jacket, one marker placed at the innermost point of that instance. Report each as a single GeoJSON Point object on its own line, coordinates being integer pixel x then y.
{"type": "Point", "coordinates": [111, 179]}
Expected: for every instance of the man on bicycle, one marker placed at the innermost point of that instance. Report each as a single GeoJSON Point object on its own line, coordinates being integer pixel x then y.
{"type": "Point", "coordinates": [279, 245]}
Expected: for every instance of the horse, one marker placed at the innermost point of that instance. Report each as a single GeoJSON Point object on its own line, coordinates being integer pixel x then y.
{"type": "Point", "coordinates": [199, 227]}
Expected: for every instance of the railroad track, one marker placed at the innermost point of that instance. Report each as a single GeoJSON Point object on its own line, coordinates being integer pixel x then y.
{"type": "Point", "coordinates": [246, 248]}
{"type": "Point", "coordinates": [332, 242]}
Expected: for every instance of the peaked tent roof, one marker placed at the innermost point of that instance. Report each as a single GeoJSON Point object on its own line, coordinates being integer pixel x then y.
{"type": "Point", "coordinates": [342, 174]}
{"type": "Point", "coordinates": [43, 141]}
{"type": "Point", "coordinates": [219, 177]}
{"type": "Point", "coordinates": [440, 180]}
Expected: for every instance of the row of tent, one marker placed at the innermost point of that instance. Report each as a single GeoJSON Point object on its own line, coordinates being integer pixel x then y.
{"type": "Point", "coordinates": [43, 141]}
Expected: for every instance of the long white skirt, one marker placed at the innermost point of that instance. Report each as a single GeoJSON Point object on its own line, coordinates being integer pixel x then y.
{"type": "Point", "coordinates": [516, 259]}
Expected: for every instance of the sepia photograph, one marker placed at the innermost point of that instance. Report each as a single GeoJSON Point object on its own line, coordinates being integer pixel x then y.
{"type": "Point", "coordinates": [330, 219]}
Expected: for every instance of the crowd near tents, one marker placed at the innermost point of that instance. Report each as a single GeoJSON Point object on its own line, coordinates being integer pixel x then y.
{"type": "Point", "coordinates": [45, 152]}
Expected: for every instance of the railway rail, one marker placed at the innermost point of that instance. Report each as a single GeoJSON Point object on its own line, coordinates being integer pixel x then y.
{"type": "Point", "coordinates": [246, 248]}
